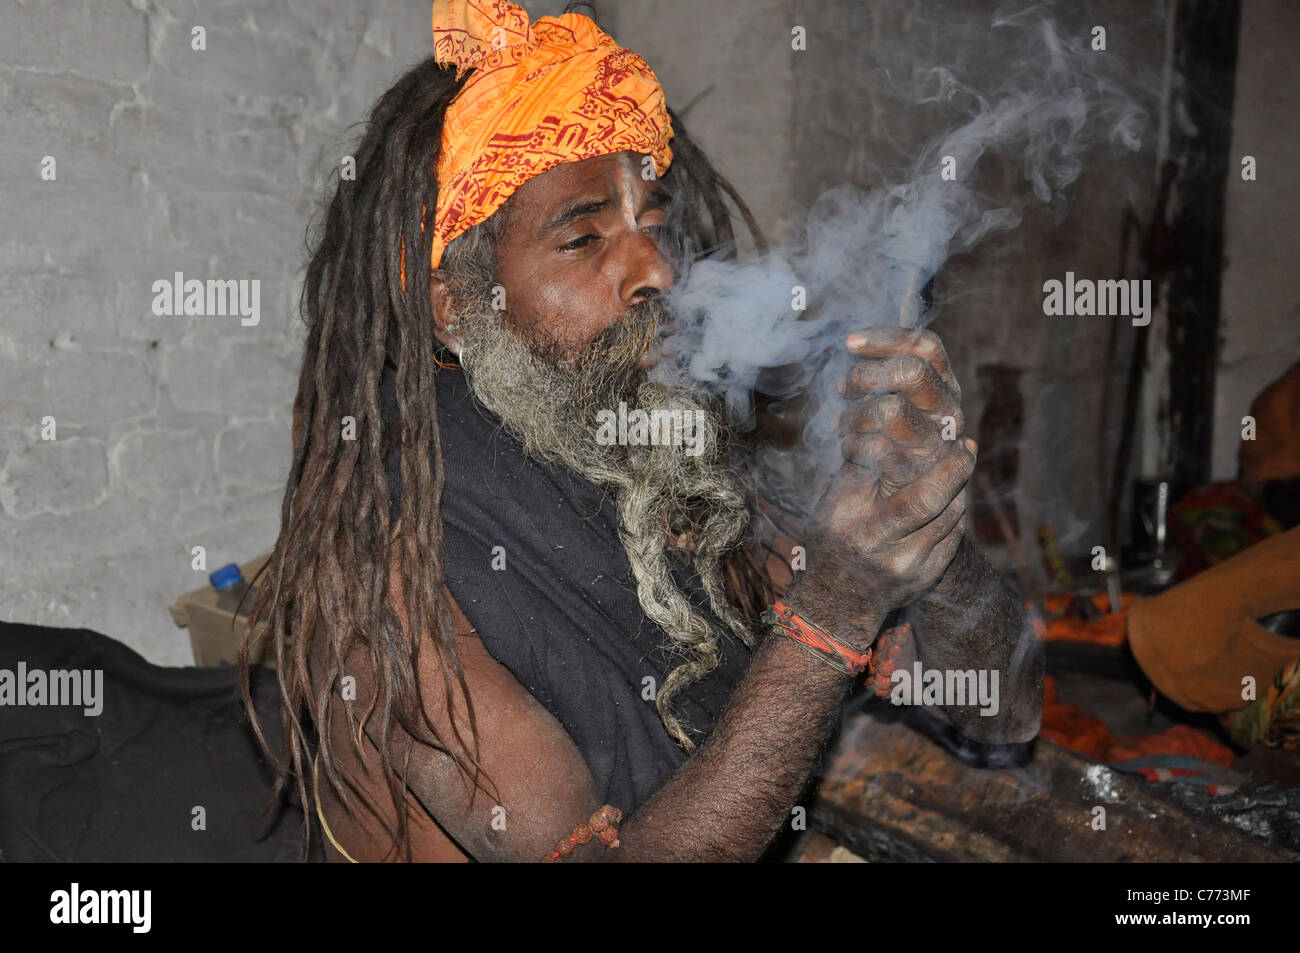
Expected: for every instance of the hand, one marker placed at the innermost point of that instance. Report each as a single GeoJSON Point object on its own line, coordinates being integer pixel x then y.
{"type": "Point", "coordinates": [889, 526]}
{"type": "Point", "coordinates": [905, 404]}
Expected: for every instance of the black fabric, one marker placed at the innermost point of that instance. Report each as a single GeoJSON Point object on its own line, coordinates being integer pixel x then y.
{"type": "Point", "coordinates": [563, 615]}
{"type": "Point", "coordinates": [122, 785]}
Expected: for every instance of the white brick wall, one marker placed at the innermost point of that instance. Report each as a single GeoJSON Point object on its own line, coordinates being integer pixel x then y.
{"type": "Point", "coordinates": [175, 431]}
{"type": "Point", "coordinates": [171, 431]}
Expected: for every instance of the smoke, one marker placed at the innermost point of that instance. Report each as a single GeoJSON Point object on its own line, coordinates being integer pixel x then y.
{"type": "Point", "coordinates": [864, 257]}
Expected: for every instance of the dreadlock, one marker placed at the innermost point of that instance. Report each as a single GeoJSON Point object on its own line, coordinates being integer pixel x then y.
{"type": "Point", "coordinates": [324, 594]}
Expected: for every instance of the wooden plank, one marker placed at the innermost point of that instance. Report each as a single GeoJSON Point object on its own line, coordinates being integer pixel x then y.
{"type": "Point", "coordinates": [891, 794]}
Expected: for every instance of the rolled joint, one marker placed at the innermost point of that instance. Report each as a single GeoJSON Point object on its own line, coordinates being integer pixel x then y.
{"type": "Point", "coordinates": [909, 307]}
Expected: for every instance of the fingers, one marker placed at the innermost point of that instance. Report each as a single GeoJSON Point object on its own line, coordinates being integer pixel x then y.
{"type": "Point", "coordinates": [891, 464]}
{"type": "Point", "coordinates": [890, 434]}
{"type": "Point", "coordinates": [894, 342]}
{"type": "Point", "coordinates": [889, 414]}
{"type": "Point", "coordinates": [894, 465]}
{"type": "Point", "coordinates": [939, 528]}
{"type": "Point", "coordinates": [943, 553]}
{"type": "Point", "coordinates": [923, 555]}
{"type": "Point", "coordinates": [934, 544]}
{"type": "Point", "coordinates": [928, 497]}
{"type": "Point", "coordinates": [906, 375]}
{"type": "Point", "coordinates": [898, 419]}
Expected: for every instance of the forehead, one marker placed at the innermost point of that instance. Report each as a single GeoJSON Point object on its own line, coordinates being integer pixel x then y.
{"type": "Point", "coordinates": [603, 174]}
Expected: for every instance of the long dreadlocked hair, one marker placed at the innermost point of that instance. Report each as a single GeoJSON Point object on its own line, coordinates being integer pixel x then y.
{"type": "Point", "coordinates": [324, 590]}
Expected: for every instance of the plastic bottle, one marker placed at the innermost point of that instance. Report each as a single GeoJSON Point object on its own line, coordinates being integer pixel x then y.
{"type": "Point", "coordinates": [231, 587]}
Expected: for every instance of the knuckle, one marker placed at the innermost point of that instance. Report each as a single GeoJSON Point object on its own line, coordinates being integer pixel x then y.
{"type": "Point", "coordinates": [896, 562]}
{"type": "Point", "coordinates": [868, 412]}
{"type": "Point", "coordinates": [930, 345]}
{"type": "Point", "coordinates": [912, 369]}
{"type": "Point", "coordinates": [916, 507]}
{"type": "Point", "coordinates": [877, 446]}
{"type": "Point", "coordinates": [849, 419]}
{"type": "Point", "coordinates": [934, 498]}
{"type": "Point", "coordinates": [859, 376]}
{"type": "Point", "coordinates": [892, 408]}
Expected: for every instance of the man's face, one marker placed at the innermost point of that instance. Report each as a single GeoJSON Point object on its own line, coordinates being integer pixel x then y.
{"type": "Point", "coordinates": [584, 276]}
{"type": "Point", "coordinates": [582, 251]}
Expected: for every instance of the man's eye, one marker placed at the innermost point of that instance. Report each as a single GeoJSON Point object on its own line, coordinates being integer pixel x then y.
{"type": "Point", "coordinates": [578, 242]}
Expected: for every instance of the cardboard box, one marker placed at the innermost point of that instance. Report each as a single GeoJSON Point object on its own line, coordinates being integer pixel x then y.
{"type": "Point", "coordinates": [214, 632]}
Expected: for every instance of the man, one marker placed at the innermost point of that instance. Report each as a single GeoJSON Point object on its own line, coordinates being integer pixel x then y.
{"type": "Point", "coordinates": [497, 622]}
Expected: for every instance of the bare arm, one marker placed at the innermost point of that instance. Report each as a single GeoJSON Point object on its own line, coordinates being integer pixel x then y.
{"type": "Point", "coordinates": [875, 545]}
{"type": "Point", "coordinates": [970, 619]}
{"type": "Point", "coordinates": [726, 802]}
{"type": "Point", "coordinates": [729, 799]}
{"type": "Point", "coordinates": [973, 619]}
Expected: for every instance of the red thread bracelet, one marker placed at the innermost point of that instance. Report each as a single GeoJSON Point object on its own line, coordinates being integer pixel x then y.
{"type": "Point", "coordinates": [822, 644]}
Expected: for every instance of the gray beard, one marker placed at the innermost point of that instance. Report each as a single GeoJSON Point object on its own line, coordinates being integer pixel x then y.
{"type": "Point", "coordinates": [662, 493]}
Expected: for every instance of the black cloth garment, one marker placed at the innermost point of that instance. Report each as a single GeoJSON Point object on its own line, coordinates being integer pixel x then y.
{"type": "Point", "coordinates": [122, 785]}
{"type": "Point", "coordinates": [563, 614]}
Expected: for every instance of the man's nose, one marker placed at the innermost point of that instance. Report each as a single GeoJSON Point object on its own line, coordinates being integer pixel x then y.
{"type": "Point", "coordinates": [647, 274]}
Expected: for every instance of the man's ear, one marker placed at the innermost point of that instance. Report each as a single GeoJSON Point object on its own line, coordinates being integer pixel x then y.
{"type": "Point", "coordinates": [445, 322]}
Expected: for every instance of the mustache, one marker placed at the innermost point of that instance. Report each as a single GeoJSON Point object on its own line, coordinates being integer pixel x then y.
{"type": "Point", "coordinates": [630, 337]}
{"type": "Point", "coordinates": [609, 362]}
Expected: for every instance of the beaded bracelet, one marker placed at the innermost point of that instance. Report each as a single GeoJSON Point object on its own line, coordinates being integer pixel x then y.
{"type": "Point", "coordinates": [601, 825]}
{"type": "Point", "coordinates": [818, 641]}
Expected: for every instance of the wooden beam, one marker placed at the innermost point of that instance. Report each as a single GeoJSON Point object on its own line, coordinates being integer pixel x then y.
{"type": "Point", "coordinates": [891, 794]}
{"type": "Point", "coordinates": [1205, 56]}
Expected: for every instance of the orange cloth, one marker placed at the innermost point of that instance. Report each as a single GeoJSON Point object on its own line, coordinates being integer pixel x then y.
{"type": "Point", "coordinates": [1108, 629]}
{"type": "Point", "coordinates": [1274, 454]}
{"type": "Point", "coordinates": [1198, 640]}
{"type": "Point", "coordinates": [1064, 725]}
{"type": "Point", "coordinates": [557, 90]}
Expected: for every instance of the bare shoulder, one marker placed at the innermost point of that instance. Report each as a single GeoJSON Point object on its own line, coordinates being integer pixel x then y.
{"type": "Point", "coordinates": [533, 783]}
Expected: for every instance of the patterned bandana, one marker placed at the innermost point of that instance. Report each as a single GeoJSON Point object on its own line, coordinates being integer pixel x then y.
{"type": "Point", "coordinates": [558, 90]}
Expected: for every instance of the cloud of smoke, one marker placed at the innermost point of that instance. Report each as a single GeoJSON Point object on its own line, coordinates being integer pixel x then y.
{"type": "Point", "coordinates": [863, 257]}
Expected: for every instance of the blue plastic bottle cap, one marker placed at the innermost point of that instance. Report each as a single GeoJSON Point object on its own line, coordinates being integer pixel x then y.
{"type": "Point", "coordinates": [225, 577]}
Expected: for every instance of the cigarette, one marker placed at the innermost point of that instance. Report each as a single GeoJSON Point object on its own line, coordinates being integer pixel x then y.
{"type": "Point", "coordinates": [909, 309]}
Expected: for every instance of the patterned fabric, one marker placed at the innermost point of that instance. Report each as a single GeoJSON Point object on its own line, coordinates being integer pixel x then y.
{"type": "Point", "coordinates": [1272, 719]}
{"type": "Point", "coordinates": [558, 90]}
{"type": "Point", "coordinates": [1215, 522]}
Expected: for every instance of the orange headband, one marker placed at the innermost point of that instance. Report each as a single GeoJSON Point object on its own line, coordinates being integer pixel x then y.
{"type": "Point", "coordinates": [558, 90]}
